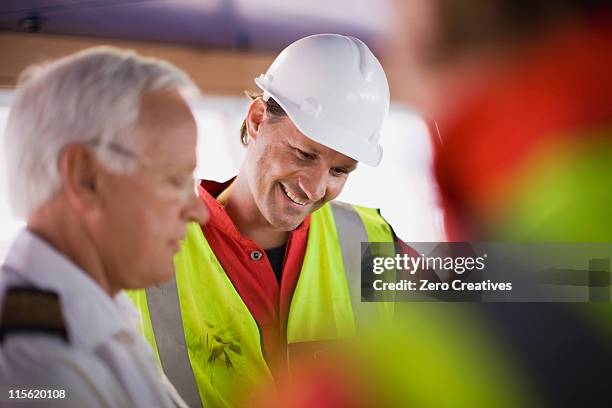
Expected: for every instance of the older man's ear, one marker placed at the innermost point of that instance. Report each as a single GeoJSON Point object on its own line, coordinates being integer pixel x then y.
{"type": "Point", "coordinates": [80, 177]}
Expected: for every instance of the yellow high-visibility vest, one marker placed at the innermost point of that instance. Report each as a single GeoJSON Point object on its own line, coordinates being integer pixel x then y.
{"type": "Point", "coordinates": [207, 341]}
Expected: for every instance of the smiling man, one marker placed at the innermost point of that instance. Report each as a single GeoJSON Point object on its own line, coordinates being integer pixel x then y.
{"type": "Point", "coordinates": [277, 270]}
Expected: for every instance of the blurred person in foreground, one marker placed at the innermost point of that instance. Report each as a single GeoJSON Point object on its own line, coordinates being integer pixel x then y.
{"type": "Point", "coordinates": [522, 94]}
{"type": "Point", "coordinates": [100, 150]}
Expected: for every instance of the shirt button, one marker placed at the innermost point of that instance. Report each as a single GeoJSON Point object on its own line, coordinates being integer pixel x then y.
{"type": "Point", "coordinates": [256, 255]}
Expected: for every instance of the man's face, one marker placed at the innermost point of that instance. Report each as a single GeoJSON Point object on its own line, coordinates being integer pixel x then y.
{"type": "Point", "coordinates": [289, 175]}
{"type": "Point", "coordinates": [144, 213]}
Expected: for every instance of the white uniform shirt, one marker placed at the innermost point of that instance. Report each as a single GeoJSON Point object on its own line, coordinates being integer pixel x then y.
{"type": "Point", "coordinates": [106, 363]}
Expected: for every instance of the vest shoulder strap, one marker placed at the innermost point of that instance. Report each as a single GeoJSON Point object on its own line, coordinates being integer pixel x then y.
{"type": "Point", "coordinates": [167, 321]}
{"type": "Point", "coordinates": [351, 234]}
{"type": "Point", "coordinates": [362, 234]}
{"type": "Point", "coordinates": [30, 310]}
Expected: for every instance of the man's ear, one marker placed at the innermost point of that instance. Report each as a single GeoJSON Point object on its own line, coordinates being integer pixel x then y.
{"type": "Point", "coordinates": [79, 173]}
{"type": "Point", "coordinates": [255, 117]}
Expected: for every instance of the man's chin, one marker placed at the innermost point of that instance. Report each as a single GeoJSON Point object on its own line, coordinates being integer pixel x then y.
{"type": "Point", "coordinates": [284, 220]}
{"type": "Point", "coordinates": [166, 275]}
{"type": "Point", "coordinates": [161, 277]}
{"type": "Point", "coordinates": [288, 225]}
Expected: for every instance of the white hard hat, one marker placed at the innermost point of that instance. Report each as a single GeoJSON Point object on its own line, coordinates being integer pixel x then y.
{"type": "Point", "coordinates": [334, 90]}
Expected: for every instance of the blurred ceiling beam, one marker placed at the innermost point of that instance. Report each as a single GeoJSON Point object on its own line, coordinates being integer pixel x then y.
{"type": "Point", "coordinates": [215, 71]}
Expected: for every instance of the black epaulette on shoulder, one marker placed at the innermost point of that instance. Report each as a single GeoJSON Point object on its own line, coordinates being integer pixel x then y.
{"type": "Point", "coordinates": [31, 310]}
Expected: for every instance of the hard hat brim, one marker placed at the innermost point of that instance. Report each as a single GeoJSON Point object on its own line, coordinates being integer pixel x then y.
{"type": "Point", "coordinates": [327, 133]}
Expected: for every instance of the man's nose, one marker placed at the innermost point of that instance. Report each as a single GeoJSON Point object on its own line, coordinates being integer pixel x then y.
{"type": "Point", "coordinates": [314, 184]}
{"type": "Point", "coordinates": [195, 210]}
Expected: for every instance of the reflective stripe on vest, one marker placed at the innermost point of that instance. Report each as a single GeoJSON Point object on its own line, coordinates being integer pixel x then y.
{"type": "Point", "coordinates": [166, 319]}
{"type": "Point", "coordinates": [351, 233]}
{"type": "Point", "coordinates": [326, 302]}
{"type": "Point", "coordinates": [208, 342]}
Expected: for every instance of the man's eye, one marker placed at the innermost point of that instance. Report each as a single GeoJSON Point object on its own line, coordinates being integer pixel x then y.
{"type": "Point", "coordinates": [303, 155]}
{"type": "Point", "coordinates": [339, 171]}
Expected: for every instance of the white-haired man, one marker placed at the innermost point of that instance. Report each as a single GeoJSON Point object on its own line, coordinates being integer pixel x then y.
{"type": "Point", "coordinates": [100, 153]}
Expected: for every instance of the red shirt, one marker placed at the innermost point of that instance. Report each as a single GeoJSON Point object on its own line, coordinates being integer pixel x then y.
{"type": "Point", "coordinates": [249, 270]}
{"type": "Point", "coordinates": [559, 91]}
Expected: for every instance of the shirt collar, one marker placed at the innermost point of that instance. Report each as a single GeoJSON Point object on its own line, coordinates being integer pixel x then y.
{"type": "Point", "coordinates": [208, 191]}
{"type": "Point", "coordinates": [91, 315]}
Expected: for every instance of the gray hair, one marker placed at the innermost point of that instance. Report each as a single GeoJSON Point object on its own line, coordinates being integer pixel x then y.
{"type": "Point", "coordinates": [91, 96]}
